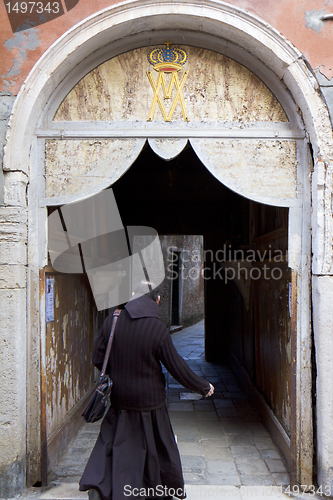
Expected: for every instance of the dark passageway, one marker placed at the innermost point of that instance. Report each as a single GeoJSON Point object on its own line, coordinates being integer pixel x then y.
{"type": "Point", "coordinates": [182, 197]}
{"type": "Point", "coordinates": [247, 323]}
{"type": "Point", "coordinates": [247, 319]}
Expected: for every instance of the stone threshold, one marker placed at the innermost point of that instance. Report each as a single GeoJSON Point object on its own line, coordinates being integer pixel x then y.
{"type": "Point", "coordinates": [69, 491]}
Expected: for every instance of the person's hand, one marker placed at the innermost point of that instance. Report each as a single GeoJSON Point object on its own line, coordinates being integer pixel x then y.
{"type": "Point", "coordinates": [211, 391]}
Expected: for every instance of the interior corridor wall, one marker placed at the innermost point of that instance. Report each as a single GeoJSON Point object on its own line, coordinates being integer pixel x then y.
{"type": "Point", "coordinates": [257, 310]}
{"type": "Point", "coordinates": [70, 324]}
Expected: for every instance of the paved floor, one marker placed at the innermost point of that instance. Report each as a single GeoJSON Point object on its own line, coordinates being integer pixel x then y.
{"type": "Point", "coordinates": [225, 449]}
{"type": "Point", "coordinates": [221, 439]}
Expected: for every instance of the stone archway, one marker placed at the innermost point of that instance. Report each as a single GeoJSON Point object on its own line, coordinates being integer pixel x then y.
{"type": "Point", "coordinates": [97, 39]}
{"type": "Point", "coordinates": [90, 139]}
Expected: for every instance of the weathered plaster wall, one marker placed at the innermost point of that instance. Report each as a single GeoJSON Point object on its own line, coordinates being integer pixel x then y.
{"type": "Point", "coordinates": [257, 169]}
{"type": "Point", "coordinates": [323, 336]}
{"type": "Point", "coordinates": [298, 21]}
{"type": "Point", "coordinates": [13, 320]}
{"type": "Point", "coordinates": [190, 248]}
{"type": "Point", "coordinates": [13, 283]}
{"type": "Point", "coordinates": [326, 87]}
{"type": "Point", "coordinates": [6, 105]}
{"type": "Point", "coordinates": [68, 348]}
{"type": "Point", "coordinates": [69, 164]}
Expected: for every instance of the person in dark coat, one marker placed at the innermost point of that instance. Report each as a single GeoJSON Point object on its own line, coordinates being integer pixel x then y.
{"type": "Point", "coordinates": [136, 455]}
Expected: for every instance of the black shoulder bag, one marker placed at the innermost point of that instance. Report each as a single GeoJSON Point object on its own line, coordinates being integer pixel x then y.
{"type": "Point", "coordinates": [96, 405]}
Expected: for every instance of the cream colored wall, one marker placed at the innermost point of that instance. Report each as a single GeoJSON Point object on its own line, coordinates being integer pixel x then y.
{"type": "Point", "coordinates": [217, 88]}
{"type": "Point", "coordinates": [217, 91]}
{"type": "Point", "coordinates": [72, 166]}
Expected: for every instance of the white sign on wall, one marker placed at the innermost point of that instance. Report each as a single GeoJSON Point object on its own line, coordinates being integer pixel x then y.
{"type": "Point", "coordinates": [49, 300]}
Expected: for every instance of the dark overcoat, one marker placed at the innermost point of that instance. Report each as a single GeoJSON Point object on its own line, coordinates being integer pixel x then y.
{"type": "Point", "coordinates": [136, 449]}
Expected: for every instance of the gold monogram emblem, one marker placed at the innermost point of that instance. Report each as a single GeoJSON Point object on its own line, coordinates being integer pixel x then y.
{"type": "Point", "coordinates": [167, 61]}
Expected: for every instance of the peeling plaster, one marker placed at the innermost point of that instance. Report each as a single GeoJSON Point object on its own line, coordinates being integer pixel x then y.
{"type": "Point", "coordinates": [20, 43]}
{"type": "Point", "coordinates": [322, 79]}
{"type": "Point", "coordinates": [313, 19]}
{"type": "Point", "coordinates": [326, 87]}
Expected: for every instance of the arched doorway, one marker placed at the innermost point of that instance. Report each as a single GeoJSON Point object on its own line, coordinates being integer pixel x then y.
{"type": "Point", "coordinates": [243, 269]}
{"type": "Point", "coordinates": [239, 130]}
{"type": "Point", "coordinates": [87, 58]}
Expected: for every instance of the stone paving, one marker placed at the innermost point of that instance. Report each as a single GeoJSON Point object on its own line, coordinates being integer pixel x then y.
{"type": "Point", "coordinates": [225, 449]}
{"type": "Point", "coordinates": [221, 439]}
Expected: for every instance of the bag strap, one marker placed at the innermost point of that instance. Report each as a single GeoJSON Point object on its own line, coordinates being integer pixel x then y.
{"type": "Point", "coordinates": [108, 349]}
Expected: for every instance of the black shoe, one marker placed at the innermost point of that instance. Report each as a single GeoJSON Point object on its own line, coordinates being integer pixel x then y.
{"type": "Point", "coordinates": [159, 498]}
{"type": "Point", "coordinates": [94, 494]}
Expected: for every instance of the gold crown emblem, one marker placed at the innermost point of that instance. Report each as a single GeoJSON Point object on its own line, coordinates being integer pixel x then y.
{"type": "Point", "coordinates": [167, 59]}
